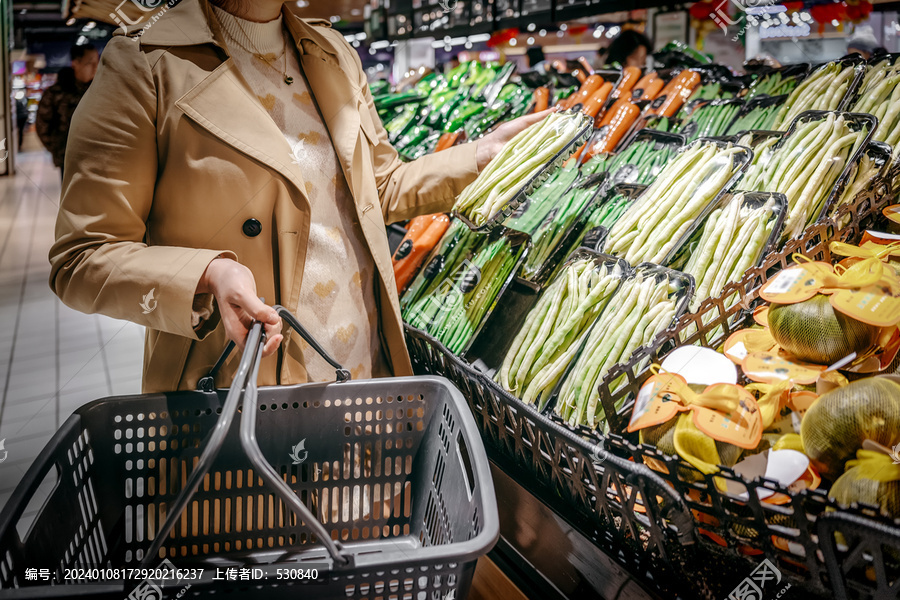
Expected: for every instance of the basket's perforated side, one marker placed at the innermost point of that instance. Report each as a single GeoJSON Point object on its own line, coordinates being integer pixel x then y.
{"type": "Point", "coordinates": [68, 531]}
{"type": "Point", "coordinates": [360, 488]}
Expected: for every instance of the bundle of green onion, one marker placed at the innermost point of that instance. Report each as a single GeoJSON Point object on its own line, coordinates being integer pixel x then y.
{"type": "Point", "coordinates": [452, 294]}
{"type": "Point", "coordinates": [643, 308]}
{"type": "Point", "coordinates": [669, 208]}
{"type": "Point", "coordinates": [709, 120]}
{"type": "Point", "coordinates": [823, 90]}
{"type": "Point", "coordinates": [555, 329]}
{"type": "Point", "coordinates": [556, 224]}
{"type": "Point", "coordinates": [521, 159]}
{"type": "Point", "coordinates": [730, 242]}
{"type": "Point", "coordinates": [759, 117]}
{"type": "Point", "coordinates": [640, 162]}
{"type": "Point", "coordinates": [531, 213]}
{"type": "Point", "coordinates": [805, 167]}
{"type": "Point", "coordinates": [772, 84]}
{"type": "Point", "coordinates": [880, 96]}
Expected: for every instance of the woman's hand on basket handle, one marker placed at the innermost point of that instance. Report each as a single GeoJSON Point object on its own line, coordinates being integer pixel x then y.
{"type": "Point", "coordinates": [490, 145]}
{"type": "Point", "coordinates": [234, 287]}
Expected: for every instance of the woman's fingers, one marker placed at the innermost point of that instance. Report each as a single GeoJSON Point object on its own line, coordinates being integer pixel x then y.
{"type": "Point", "coordinates": [272, 344]}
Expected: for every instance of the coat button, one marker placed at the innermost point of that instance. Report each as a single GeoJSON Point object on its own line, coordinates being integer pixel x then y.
{"type": "Point", "coordinates": [252, 227]}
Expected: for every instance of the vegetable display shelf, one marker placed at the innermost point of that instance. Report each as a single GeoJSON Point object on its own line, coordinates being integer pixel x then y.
{"type": "Point", "coordinates": [602, 483]}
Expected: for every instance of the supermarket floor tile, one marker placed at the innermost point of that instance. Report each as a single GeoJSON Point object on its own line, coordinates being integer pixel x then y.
{"type": "Point", "coordinates": [52, 359]}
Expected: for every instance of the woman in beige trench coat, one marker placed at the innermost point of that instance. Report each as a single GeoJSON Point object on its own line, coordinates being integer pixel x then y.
{"type": "Point", "coordinates": [184, 201]}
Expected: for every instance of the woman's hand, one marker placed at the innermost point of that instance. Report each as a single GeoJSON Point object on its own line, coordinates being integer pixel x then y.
{"type": "Point", "coordinates": [490, 145]}
{"type": "Point", "coordinates": [234, 287]}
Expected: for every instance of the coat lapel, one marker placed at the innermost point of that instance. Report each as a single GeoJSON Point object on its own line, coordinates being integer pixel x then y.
{"type": "Point", "coordinates": [222, 105]}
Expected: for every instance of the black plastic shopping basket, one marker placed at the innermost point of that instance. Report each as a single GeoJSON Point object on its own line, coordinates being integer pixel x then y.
{"type": "Point", "coordinates": [376, 489]}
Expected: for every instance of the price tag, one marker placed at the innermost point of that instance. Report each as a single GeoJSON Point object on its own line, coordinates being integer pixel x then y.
{"type": "Point", "coordinates": [656, 403]}
{"type": "Point", "coordinates": [768, 368]}
{"type": "Point", "coordinates": [792, 285]}
{"type": "Point", "coordinates": [873, 305]}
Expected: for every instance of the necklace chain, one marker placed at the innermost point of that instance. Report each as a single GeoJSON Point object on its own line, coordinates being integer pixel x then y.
{"type": "Point", "coordinates": [263, 57]}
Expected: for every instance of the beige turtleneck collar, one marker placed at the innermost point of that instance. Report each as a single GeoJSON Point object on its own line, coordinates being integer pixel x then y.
{"type": "Point", "coordinates": [261, 38]}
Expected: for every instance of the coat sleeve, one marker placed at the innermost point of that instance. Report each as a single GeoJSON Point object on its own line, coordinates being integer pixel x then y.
{"type": "Point", "coordinates": [100, 262]}
{"type": "Point", "coordinates": [426, 185]}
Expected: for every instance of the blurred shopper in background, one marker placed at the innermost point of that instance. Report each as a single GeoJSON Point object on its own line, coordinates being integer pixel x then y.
{"type": "Point", "coordinates": [862, 42]}
{"type": "Point", "coordinates": [628, 49]}
{"type": "Point", "coordinates": [21, 118]}
{"type": "Point", "coordinates": [536, 59]}
{"type": "Point", "coordinates": [58, 103]}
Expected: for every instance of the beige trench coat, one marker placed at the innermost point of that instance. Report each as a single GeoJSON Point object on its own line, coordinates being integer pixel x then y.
{"type": "Point", "coordinates": [170, 154]}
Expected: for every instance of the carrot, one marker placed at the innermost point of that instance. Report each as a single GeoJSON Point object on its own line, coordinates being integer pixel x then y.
{"type": "Point", "coordinates": [647, 87]}
{"type": "Point", "coordinates": [588, 87]}
{"type": "Point", "coordinates": [675, 93]}
{"type": "Point", "coordinates": [652, 90]}
{"type": "Point", "coordinates": [541, 99]}
{"type": "Point", "coordinates": [421, 236]}
{"type": "Point", "coordinates": [584, 97]}
{"type": "Point", "coordinates": [445, 141]}
{"type": "Point", "coordinates": [579, 75]}
{"type": "Point", "coordinates": [619, 125]}
{"type": "Point", "coordinates": [593, 104]}
{"type": "Point", "coordinates": [630, 76]}
{"type": "Point", "coordinates": [617, 106]}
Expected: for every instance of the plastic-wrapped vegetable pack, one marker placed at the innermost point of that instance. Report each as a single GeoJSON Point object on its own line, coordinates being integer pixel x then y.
{"type": "Point", "coordinates": [653, 226]}
{"type": "Point", "coordinates": [805, 166]}
{"type": "Point", "coordinates": [644, 305]}
{"type": "Point", "coordinates": [452, 294]}
{"type": "Point", "coordinates": [555, 328]}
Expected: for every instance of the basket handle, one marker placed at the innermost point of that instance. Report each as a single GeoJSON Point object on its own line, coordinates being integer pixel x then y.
{"type": "Point", "coordinates": [268, 473]}
{"type": "Point", "coordinates": [244, 388]}
{"type": "Point", "coordinates": [208, 383]}
{"type": "Point", "coordinates": [216, 439]}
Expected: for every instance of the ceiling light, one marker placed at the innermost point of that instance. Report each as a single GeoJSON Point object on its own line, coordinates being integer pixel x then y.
{"type": "Point", "coordinates": [835, 22]}
{"type": "Point", "coordinates": [334, 18]}
{"type": "Point", "coordinates": [563, 27]}
{"type": "Point", "coordinates": [513, 42]}
{"type": "Point", "coordinates": [531, 27]}
{"type": "Point", "coordinates": [530, 41]}
{"type": "Point", "coordinates": [542, 32]}
{"type": "Point", "coordinates": [302, 3]}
